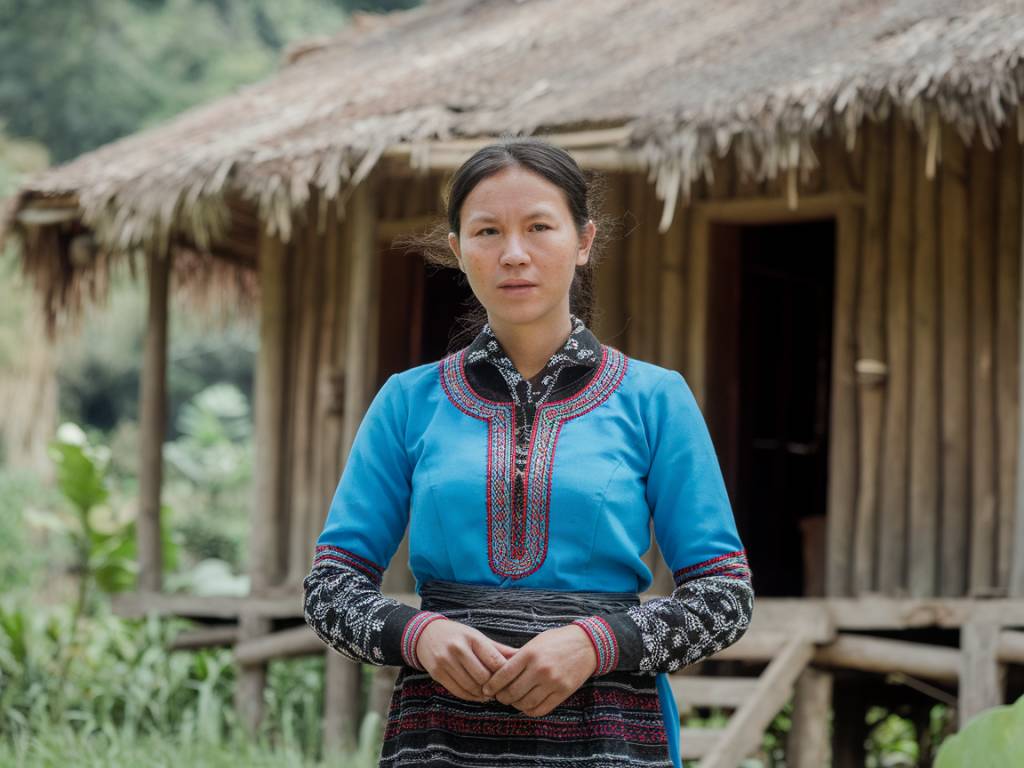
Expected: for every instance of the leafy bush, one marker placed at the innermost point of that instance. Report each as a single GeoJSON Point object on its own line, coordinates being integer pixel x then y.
{"type": "Point", "coordinates": [993, 739]}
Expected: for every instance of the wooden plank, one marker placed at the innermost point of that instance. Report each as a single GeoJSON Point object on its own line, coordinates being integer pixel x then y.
{"type": "Point", "coordinates": [765, 210]}
{"type": "Point", "coordinates": [152, 423]}
{"type": "Point", "coordinates": [807, 744]}
{"type": "Point", "coordinates": [843, 432]}
{"type": "Point", "coordinates": [697, 316]}
{"type": "Point", "coordinates": [981, 683]}
{"type": "Point", "coordinates": [743, 733]}
{"type": "Point", "coordinates": [884, 656]}
{"type": "Point", "coordinates": [871, 349]}
{"type": "Point", "coordinates": [924, 409]}
{"type": "Point", "coordinates": [955, 366]}
{"type": "Point", "coordinates": [894, 491]}
{"type": "Point", "coordinates": [696, 691]}
{"type": "Point", "coordinates": [610, 321]}
{"type": "Point", "coordinates": [636, 243]}
{"type": "Point", "coordinates": [208, 637]}
{"type": "Point", "coordinates": [358, 377]}
{"type": "Point", "coordinates": [672, 303]}
{"type": "Point", "coordinates": [1009, 255]}
{"type": "Point", "coordinates": [983, 523]}
{"type": "Point", "coordinates": [1017, 556]}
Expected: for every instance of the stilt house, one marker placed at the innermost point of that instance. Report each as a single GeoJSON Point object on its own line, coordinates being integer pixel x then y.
{"type": "Point", "coordinates": [819, 209]}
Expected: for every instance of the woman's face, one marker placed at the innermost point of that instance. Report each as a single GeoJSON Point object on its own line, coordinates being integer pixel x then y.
{"type": "Point", "coordinates": [519, 246]}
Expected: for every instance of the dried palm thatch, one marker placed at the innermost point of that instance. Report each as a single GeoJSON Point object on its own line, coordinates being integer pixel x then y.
{"type": "Point", "coordinates": [683, 80]}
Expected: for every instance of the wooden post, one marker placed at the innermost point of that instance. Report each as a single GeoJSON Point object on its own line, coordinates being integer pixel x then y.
{"type": "Point", "coordinates": [343, 678]}
{"type": "Point", "coordinates": [850, 729]}
{"type": "Point", "coordinates": [1017, 569]}
{"type": "Point", "coordinates": [842, 474]}
{"type": "Point", "coordinates": [924, 400]}
{"type": "Point", "coordinates": [152, 423]}
{"type": "Point", "coordinates": [808, 743]}
{"type": "Point", "coordinates": [698, 270]}
{"type": "Point", "coordinates": [954, 280]}
{"type": "Point", "coordinates": [984, 528]}
{"type": "Point", "coordinates": [893, 496]}
{"type": "Point", "coordinates": [981, 676]}
{"type": "Point", "coordinates": [871, 348]}
{"type": "Point", "coordinates": [1009, 256]}
{"type": "Point", "coordinates": [264, 562]}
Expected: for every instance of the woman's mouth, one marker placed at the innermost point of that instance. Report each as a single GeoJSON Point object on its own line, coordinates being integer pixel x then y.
{"type": "Point", "coordinates": [516, 287]}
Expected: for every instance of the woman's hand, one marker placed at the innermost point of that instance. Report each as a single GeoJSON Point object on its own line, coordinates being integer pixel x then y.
{"type": "Point", "coordinates": [460, 658]}
{"type": "Point", "coordinates": [545, 672]}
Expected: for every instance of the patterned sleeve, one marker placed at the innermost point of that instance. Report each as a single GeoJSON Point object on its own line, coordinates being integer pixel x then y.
{"type": "Point", "coordinates": [367, 519]}
{"type": "Point", "coordinates": [712, 604]}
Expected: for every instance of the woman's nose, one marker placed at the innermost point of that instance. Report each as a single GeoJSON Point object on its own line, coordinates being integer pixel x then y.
{"type": "Point", "coordinates": [514, 253]}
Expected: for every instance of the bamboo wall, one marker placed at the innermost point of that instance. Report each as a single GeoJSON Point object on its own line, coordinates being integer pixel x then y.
{"type": "Point", "coordinates": [923, 448]}
{"type": "Point", "coordinates": [922, 455]}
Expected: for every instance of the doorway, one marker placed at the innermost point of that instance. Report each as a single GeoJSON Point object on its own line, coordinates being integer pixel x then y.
{"type": "Point", "coordinates": [419, 309]}
{"type": "Point", "coordinates": [769, 380]}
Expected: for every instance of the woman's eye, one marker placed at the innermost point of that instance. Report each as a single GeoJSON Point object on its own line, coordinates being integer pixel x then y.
{"type": "Point", "coordinates": [540, 226]}
{"type": "Point", "coordinates": [487, 231]}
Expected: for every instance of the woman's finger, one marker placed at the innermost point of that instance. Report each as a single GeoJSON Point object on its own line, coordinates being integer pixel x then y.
{"type": "Point", "coordinates": [487, 656]}
{"type": "Point", "coordinates": [453, 687]}
{"type": "Point", "coordinates": [459, 674]}
{"type": "Point", "coordinates": [509, 672]}
{"type": "Point", "coordinates": [546, 706]}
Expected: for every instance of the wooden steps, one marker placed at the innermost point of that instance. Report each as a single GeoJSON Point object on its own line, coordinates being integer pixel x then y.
{"type": "Point", "coordinates": [754, 700]}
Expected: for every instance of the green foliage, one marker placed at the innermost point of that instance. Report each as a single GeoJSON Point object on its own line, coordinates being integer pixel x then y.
{"type": "Point", "coordinates": [132, 701]}
{"type": "Point", "coordinates": [993, 739]}
{"type": "Point", "coordinates": [28, 544]}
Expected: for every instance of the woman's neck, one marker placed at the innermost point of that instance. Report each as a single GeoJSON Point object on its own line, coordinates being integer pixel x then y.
{"type": "Point", "coordinates": [531, 346]}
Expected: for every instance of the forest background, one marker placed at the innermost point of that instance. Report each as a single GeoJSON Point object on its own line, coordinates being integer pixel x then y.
{"type": "Point", "coordinates": [79, 686]}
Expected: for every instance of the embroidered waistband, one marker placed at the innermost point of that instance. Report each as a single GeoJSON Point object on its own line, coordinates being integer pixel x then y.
{"type": "Point", "coordinates": [517, 612]}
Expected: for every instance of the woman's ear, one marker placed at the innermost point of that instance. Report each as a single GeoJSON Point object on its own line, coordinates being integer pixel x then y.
{"type": "Point", "coordinates": [586, 242]}
{"type": "Point", "coordinates": [453, 243]}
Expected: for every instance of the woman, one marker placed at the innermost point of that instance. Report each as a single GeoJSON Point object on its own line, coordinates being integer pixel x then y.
{"type": "Point", "coordinates": [528, 467]}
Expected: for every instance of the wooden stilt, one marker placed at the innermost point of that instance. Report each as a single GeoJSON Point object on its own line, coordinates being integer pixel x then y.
{"type": "Point", "coordinates": [808, 743]}
{"type": "Point", "coordinates": [981, 678]}
{"type": "Point", "coordinates": [342, 695]}
{"type": "Point", "coordinates": [269, 410]}
{"type": "Point", "coordinates": [152, 424]}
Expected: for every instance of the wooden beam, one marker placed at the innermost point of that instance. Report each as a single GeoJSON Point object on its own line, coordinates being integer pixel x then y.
{"type": "Point", "coordinates": [762, 210]}
{"type": "Point", "coordinates": [884, 656]}
{"type": "Point", "coordinates": [208, 637]}
{"type": "Point", "coordinates": [286, 643]}
{"type": "Point", "coordinates": [1011, 647]}
{"type": "Point", "coordinates": [981, 679]}
{"type": "Point", "coordinates": [34, 216]}
{"type": "Point", "coordinates": [152, 424]}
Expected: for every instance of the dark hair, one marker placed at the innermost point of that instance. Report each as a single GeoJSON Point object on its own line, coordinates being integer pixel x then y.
{"type": "Point", "coordinates": [553, 164]}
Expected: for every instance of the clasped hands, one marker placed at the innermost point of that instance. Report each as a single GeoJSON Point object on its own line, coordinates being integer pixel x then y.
{"type": "Point", "coordinates": [534, 679]}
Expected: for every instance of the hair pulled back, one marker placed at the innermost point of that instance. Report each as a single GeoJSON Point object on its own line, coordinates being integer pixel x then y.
{"type": "Point", "coordinates": [551, 163]}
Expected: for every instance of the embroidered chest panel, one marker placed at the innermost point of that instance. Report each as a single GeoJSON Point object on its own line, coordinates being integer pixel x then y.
{"type": "Point", "coordinates": [517, 539]}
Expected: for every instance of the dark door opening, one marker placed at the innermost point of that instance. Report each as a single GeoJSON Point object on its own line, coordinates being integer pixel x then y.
{"type": "Point", "coordinates": [768, 397]}
{"type": "Point", "coordinates": [419, 307]}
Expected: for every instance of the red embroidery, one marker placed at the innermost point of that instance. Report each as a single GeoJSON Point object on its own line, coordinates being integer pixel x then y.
{"type": "Point", "coordinates": [517, 540]}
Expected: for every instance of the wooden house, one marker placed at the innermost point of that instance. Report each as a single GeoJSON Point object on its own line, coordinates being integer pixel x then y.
{"type": "Point", "coordinates": [819, 217]}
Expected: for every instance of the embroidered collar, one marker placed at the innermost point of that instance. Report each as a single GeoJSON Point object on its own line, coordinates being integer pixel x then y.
{"type": "Point", "coordinates": [495, 376]}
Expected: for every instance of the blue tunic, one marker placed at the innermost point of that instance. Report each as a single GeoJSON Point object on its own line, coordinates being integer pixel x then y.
{"type": "Point", "coordinates": [627, 449]}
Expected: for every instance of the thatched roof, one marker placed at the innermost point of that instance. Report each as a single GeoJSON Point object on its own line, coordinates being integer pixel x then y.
{"type": "Point", "coordinates": [681, 80]}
